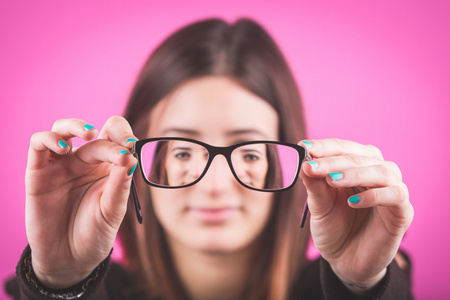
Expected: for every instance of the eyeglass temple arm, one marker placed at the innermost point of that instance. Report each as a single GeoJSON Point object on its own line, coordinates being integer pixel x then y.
{"type": "Point", "coordinates": [305, 214]}
{"type": "Point", "coordinates": [135, 198]}
{"type": "Point", "coordinates": [305, 208]}
{"type": "Point", "coordinates": [133, 193]}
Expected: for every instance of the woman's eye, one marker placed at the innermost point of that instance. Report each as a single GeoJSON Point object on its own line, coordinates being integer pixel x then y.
{"type": "Point", "coordinates": [182, 155]}
{"type": "Point", "coordinates": [251, 157]}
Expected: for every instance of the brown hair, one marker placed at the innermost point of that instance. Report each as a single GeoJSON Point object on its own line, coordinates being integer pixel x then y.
{"type": "Point", "coordinates": [245, 52]}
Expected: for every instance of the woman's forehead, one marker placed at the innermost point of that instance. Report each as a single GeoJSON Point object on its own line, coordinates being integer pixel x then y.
{"type": "Point", "coordinates": [216, 105]}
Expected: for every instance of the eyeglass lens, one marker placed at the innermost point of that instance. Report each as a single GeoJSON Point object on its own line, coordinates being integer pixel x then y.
{"type": "Point", "coordinates": [178, 163]}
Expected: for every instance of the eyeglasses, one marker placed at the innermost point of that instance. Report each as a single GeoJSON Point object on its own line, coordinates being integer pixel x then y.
{"type": "Point", "coordinates": [172, 163]}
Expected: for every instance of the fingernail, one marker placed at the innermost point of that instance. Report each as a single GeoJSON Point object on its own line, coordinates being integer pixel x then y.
{"type": "Point", "coordinates": [307, 144]}
{"type": "Point", "coordinates": [336, 176]}
{"type": "Point", "coordinates": [62, 144]}
{"type": "Point", "coordinates": [121, 152]}
{"type": "Point", "coordinates": [313, 164]}
{"type": "Point", "coordinates": [131, 140]}
{"type": "Point", "coordinates": [88, 127]}
{"type": "Point", "coordinates": [132, 170]}
{"type": "Point", "coordinates": [354, 199]}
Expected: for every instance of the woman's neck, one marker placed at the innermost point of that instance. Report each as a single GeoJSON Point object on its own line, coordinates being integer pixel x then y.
{"type": "Point", "coordinates": [217, 276]}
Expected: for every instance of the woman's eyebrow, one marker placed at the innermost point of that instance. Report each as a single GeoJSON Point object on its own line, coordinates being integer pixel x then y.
{"type": "Point", "coordinates": [250, 131]}
{"type": "Point", "coordinates": [176, 130]}
{"type": "Point", "coordinates": [249, 150]}
{"type": "Point", "coordinates": [180, 148]}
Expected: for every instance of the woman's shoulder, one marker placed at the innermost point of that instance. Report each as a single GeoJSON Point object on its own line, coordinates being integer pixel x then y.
{"type": "Point", "coordinates": [308, 285]}
{"type": "Point", "coordinates": [119, 283]}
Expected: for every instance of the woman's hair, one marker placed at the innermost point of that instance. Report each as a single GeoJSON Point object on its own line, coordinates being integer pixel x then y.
{"type": "Point", "coordinates": [274, 177]}
{"type": "Point", "coordinates": [245, 52]}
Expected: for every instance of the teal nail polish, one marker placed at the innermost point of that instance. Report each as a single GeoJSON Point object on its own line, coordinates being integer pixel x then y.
{"type": "Point", "coordinates": [336, 176]}
{"type": "Point", "coordinates": [62, 144]}
{"type": "Point", "coordinates": [132, 170]}
{"type": "Point", "coordinates": [307, 144]}
{"type": "Point", "coordinates": [88, 127]}
{"type": "Point", "coordinates": [313, 164]}
{"type": "Point", "coordinates": [121, 152]}
{"type": "Point", "coordinates": [354, 199]}
{"type": "Point", "coordinates": [131, 140]}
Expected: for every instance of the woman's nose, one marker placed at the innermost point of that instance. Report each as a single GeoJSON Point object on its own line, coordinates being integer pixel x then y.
{"type": "Point", "coordinates": [218, 177]}
{"type": "Point", "coordinates": [196, 167]}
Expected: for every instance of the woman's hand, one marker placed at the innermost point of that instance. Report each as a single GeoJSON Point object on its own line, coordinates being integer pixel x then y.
{"type": "Point", "coordinates": [359, 209]}
{"type": "Point", "coordinates": [75, 203]}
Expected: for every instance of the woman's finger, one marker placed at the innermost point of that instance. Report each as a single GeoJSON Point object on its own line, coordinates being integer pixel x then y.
{"type": "Point", "coordinates": [118, 130]}
{"type": "Point", "coordinates": [392, 202]}
{"type": "Point", "coordinates": [103, 151]}
{"type": "Point", "coordinates": [40, 144]}
{"type": "Point", "coordinates": [371, 176]}
{"type": "Point", "coordinates": [395, 195]}
{"type": "Point", "coordinates": [70, 128]}
{"type": "Point", "coordinates": [321, 167]}
{"type": "Point", "coordinates": [336, 147]}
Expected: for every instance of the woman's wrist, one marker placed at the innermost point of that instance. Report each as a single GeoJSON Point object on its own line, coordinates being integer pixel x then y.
{"type": "Point", "coordinates": [58, 280]}
{"type": "Point", "coordinates": [360, 286]}
{"type": "Point", "coordinates": [34, 286]}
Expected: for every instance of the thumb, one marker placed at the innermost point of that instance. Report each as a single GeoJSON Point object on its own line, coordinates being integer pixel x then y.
{"type": "Point", "coordinates": [321, 196]}
{"type": "Point", "coordinates": [114, 200]}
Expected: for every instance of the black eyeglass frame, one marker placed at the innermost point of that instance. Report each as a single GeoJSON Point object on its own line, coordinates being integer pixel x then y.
{"type": "Point", "coordinates": [213, 151]}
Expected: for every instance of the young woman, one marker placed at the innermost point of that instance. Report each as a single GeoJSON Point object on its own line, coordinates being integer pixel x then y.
{"type": "Point", "coordinates": [219, 221]}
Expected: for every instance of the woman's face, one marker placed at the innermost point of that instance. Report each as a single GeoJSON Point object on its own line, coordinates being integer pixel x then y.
{"type": "Point", "coordinates": [217, 214]}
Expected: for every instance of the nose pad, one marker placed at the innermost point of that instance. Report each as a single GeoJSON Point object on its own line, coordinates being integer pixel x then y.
{"type": "Point", "coordinates": [219, 176]}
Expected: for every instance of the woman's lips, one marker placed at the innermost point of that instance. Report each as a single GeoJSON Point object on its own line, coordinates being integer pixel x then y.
{"type": "Point", "coordinates": [213, 215]}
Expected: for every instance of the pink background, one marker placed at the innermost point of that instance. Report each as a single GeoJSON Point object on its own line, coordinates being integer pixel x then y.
{"type": "Point", "coordinates": [375, 72]}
